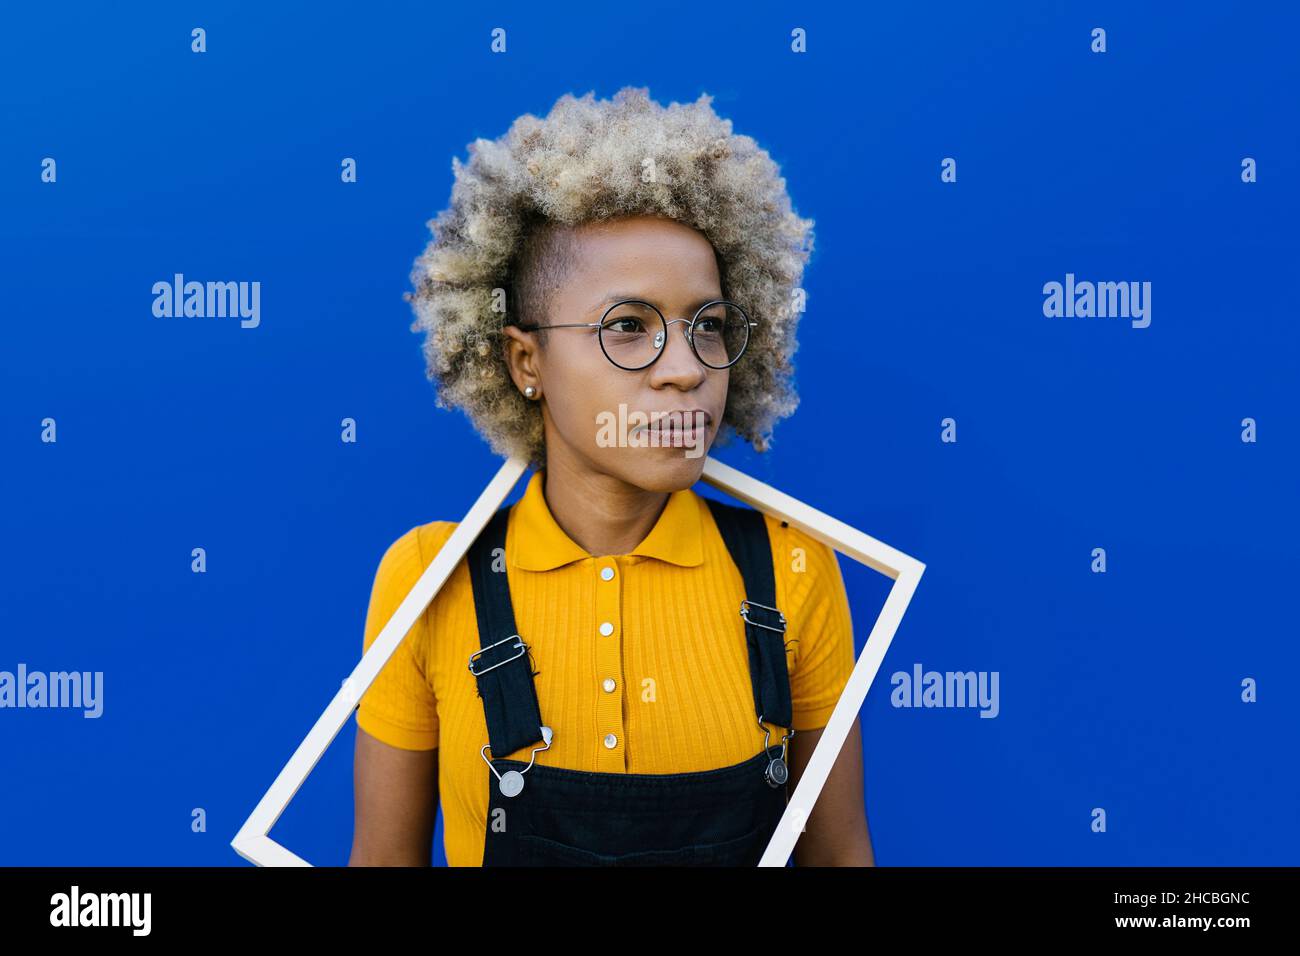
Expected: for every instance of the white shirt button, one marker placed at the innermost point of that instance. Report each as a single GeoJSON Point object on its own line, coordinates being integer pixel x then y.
{"type": "Point", "coordinates": [611, 741]}
{"type": "Point", "coordinates": [607, 629]}
{"type": "Point", "coordinates": [608, 685]}
{"type": "Point", "coordinates": [606, 573]}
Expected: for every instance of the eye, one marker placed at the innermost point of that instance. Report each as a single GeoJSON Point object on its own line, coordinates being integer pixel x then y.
{"type": "Point", "coordinates": [629, 324]}
{"type": "Point", "coordinates": [630, 320]}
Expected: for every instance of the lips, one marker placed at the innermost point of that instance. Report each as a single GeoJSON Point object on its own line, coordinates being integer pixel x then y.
{"type": "Point", "coordinates": [679, 427]}
{"type": "Point", "coordinates": [680, 421]}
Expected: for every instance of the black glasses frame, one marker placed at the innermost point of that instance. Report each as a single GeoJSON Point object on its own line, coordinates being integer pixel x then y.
{"type": "Point", "coordinates": [689, 331]}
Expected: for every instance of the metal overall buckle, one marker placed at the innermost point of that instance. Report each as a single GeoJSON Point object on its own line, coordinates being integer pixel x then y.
{"type": "Point", "coordinates": [744, 612]}
{"type": "Point", "coordinates": [511, 783]}
{"type": "Point", "coordinates": [777, 771]}
{"type": "Point", "coordinates": [521, 646]}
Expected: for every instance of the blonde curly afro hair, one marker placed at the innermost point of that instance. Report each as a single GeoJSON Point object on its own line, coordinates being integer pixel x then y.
{"type": "Point", "coordinates": [502, 238]}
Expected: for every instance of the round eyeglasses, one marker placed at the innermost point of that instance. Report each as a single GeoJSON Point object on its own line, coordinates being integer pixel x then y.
{"type": "Point", "coordinates": [633, 333]}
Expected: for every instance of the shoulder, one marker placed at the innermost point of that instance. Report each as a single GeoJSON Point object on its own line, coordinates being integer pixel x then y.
{"type": "Point", "coordinates": [807, 570]}
{"type": "Point", "coordinates": [804, 561]}
{"type": "Point", "coordinates": [401, 565]}
{"type": "Point", "coordinates": [405, 559]}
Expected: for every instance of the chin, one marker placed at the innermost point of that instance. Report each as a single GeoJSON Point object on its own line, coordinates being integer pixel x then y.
{"type": "Point", "coordinates": [666, 469]}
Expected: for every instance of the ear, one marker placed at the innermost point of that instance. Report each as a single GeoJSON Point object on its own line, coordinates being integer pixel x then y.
{"type": "Point", "coordinates": [522, 357]}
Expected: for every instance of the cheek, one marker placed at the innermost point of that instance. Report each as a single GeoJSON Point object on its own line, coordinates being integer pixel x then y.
{"type": "Point", "coordinates": [581, 387]}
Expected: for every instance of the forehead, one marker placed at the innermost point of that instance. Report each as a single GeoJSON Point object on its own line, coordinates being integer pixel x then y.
{"type": "Point", "coordinates": [646, 257]}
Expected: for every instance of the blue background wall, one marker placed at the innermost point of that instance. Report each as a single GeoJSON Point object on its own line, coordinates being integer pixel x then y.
{"type": "Point", "coordinates": [1118, 690]}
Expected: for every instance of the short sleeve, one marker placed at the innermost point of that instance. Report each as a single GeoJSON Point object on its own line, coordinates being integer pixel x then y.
{"type": "Point", "coordinates": [824, 657]}
{"type": "Point", "coordinates": [399, 707]}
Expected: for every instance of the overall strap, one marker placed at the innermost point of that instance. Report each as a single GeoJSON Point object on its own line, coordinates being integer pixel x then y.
{"type": "Point", "coordinates": [502, 668]}
{"type": "Point", "coordinates": [745, 532]}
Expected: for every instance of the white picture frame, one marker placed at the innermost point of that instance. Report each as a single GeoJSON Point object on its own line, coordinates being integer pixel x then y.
{"type": "Point", "coordinates": [253, 841]}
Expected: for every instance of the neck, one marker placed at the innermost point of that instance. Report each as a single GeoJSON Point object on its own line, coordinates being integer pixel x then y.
{"type": "Point", "coordinates": [602, 514]}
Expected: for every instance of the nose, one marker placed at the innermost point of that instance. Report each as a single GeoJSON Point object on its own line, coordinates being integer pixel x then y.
{"type": "Point", "coordinates": [677, 362]}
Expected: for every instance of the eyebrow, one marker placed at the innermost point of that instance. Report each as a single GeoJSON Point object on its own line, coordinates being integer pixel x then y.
{"type": "Point", "coordinates": [612, 297]}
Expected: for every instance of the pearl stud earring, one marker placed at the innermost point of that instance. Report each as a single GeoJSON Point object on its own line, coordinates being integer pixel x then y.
{"type": "Point", "coordinates": [529, 391]}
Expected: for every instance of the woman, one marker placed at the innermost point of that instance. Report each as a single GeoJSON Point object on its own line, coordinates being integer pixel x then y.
{"type": "Point", "coordinates": [609, 288]}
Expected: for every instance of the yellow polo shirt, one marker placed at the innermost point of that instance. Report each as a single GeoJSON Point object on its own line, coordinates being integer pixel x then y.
{"type": "Point", "coordinates": [669, 681]}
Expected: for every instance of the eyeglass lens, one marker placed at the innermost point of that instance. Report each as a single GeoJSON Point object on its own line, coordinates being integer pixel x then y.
{"type": "Point", "coordinates": [633, 334]}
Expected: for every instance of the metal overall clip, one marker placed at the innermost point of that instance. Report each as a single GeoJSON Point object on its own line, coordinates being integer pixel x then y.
{"type": "Point", "coordinates": [511, 783]}
{"type": "Point", "coordinates": [777, 772]}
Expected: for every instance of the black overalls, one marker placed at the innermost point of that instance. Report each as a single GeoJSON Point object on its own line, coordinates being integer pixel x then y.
{"type": "Point", "coordinates": [558, 817]}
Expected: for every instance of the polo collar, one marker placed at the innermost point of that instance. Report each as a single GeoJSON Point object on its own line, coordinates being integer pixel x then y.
{"type": "Point", "coordinates": [541, 545]}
